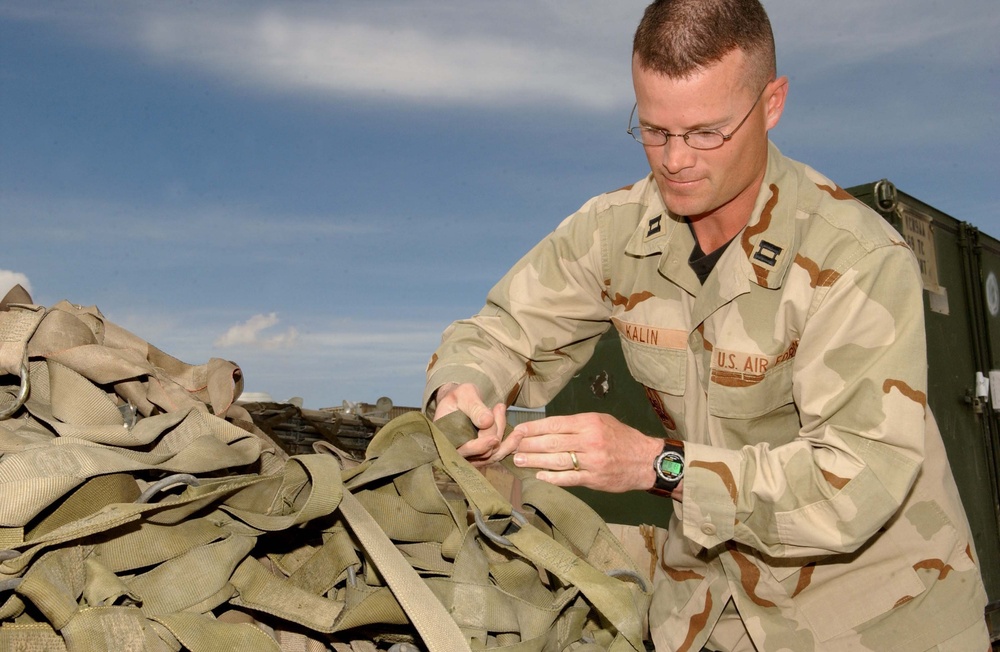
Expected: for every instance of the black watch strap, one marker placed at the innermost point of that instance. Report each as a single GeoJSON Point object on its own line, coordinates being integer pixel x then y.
{"type": "Point", "coordinates": [669, 468]}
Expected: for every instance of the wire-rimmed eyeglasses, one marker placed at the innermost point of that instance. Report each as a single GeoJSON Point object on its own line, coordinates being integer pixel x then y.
{"type": "Point", "coordinates": [696, 138]}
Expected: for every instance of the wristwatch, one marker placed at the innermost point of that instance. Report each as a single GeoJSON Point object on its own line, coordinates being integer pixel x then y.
{"type": "Point", "coordinates": [669, 467]}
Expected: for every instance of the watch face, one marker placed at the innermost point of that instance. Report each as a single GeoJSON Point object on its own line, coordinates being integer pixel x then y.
{"type": "Point", "coordinates": [670, 466]}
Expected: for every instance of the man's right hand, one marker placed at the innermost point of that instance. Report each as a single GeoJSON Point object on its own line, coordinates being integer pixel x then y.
{"type": "Point", "coordinates": [488, 446]}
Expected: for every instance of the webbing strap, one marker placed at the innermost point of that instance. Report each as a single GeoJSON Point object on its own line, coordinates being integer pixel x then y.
{"type": "Point", "coordinates": [17, 327]}
{"type": "Point", "coordinates": [613, 598]}
{"type": "Point", "coordinates": [437, 628]}
{"type": "Point", "coordinates": [622, 603]}
{"type": "Point", "coordinates": [199, 633]}
{"type": "Point", "coordinates": [30, 637]}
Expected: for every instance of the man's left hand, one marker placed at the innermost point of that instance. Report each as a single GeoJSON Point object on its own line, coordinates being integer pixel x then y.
{"type": "Point", "coordinates": [607, 454]}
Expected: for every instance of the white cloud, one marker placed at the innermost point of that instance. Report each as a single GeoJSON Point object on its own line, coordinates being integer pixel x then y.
{"type": "Point", "coordinates": [442, 52]}
{"type": "Point", "coordinates": [431, 52]}
{"type": "Point", "coordinates": [289, 51]}
{"type": "Point", "coordinates": [9, 279]}
{"type": "Point", "coordinates": [250, 333]}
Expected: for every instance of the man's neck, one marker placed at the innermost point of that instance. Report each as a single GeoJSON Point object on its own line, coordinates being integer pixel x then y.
{"type": "Point", "coordinates": [714, 229]}
{"type": "Point", "coordinates": [711, 234]}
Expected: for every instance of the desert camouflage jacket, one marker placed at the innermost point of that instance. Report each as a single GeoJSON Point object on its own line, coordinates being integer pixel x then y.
{"type": "Point", "coordinates": [817, 493]}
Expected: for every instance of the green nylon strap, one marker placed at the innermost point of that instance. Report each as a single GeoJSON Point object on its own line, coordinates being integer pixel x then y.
{"type": "Point", "coordinates": [168, 588]}
{"type": "Point", "coordinates": [35, 478]}
{"type": "Point", "coordinates": [200, 633]}
{"type": "Point", "coordinates": [613, 598]}
{"type": "Point", "coordinates": [101, 629]}
{"type": "Point", "coordinates": [30, 637]}
{"type": "Point", "coordinates": [261, 590]}
{"type": "Point", "coordinates": [619, 601]}
{"type": "Point", "coordinates": [320, 572]}
{"type": "Point", "coordinates": [54, 583]}
{"type": "Point", "coordinates": [438, 630]}
{"type": "Point", "coordinates": [17, 325]}
{"type": "Point", "coordinates": [94, 495]}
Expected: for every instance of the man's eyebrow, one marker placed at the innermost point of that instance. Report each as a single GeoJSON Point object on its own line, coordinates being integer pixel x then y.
{"type": "Point", "coordinates": [714, 125]}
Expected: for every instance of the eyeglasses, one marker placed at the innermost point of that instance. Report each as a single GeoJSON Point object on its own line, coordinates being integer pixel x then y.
{"type": "Point", "coordinates": [696, 138]}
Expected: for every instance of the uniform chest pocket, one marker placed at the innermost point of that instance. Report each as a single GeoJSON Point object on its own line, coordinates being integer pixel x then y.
{"type": "Point", "coordinates": [741, 387]}
{"type": "Point", "coordinates": [662, 369]}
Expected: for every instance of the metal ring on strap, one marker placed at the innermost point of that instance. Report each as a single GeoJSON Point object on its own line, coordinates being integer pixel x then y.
{"type": "Point", "coordinates": [169, 481]}
{"type": "Point", "coordinates": [619, 573]}
{"type": "Point", "coordinates": [10, 585]}
{"type": "Point", "coordinates": [8, 554]}
{"type": "Point", "coordinates": [490, 534]}
{"type": "Point", "coordinates": [22, 395]}
{"type": "Point", "coordinates": [404, 647]}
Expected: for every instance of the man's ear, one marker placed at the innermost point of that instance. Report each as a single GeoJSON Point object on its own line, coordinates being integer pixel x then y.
{"type": "Point", "coordinates": [774, 103]}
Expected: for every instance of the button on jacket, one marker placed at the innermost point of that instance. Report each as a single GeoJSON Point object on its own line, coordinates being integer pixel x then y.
{"type": "Point", "coordinates": [817, 493]}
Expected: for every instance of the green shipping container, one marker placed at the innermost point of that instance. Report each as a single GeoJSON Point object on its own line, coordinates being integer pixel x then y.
{"type": "Point", "coordinates": [961, 271]}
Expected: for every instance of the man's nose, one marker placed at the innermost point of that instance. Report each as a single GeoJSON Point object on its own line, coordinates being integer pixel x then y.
{"type": "Point", "coordinates": [676, 154]}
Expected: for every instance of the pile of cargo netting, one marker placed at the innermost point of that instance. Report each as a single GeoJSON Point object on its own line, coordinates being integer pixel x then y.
{"type": "Point", "coordinates": [143, 508]}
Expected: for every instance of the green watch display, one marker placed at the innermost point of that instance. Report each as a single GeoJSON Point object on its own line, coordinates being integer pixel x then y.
{"type": "Point", "coordinates": [669, 467]}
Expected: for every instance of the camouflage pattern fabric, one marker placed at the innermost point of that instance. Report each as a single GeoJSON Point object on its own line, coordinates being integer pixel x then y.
{"type": "Point", "coordinates": [818, 496]}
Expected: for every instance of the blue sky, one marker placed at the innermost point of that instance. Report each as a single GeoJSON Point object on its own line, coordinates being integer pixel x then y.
{"type": "Point", "coordinates": [316, 189]}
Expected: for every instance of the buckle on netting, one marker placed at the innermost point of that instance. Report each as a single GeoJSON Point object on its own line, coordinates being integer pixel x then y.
{"type": "Point", "coordinates": [22, 395]}
{"type": "Point", "coordinates": [517, 521]}
{"type": "Point", "coordinates": [169, 481]}
{"type": "Point", "coordinates": [130, 413]}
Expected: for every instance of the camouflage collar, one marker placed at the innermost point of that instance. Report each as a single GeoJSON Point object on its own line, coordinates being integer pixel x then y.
{"type": "Point", "coordinates": [766, 241]}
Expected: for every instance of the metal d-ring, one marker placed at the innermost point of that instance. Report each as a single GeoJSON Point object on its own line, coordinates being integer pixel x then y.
{"type": "Point", "coordinates": [404, 647]}
{"type": "Point", "coordinates": [169, 481]}
{"type": "Point", "coordinates": [22, 395]}
{"type": "Point", "coordinates": [493, 536]}
{"type": "Point", "coordinates": [10, 585]}
{"type": "Point", "coordinates": [619, 573]}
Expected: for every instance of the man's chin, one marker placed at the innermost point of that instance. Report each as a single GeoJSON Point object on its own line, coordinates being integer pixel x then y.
{"type": "Point", "coordinates": [682, 200]}
{"type": "Point", "coordinates": [684, 206]}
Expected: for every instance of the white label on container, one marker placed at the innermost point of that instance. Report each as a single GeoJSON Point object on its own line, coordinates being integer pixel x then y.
{"type": "Point", "coordinates": [992, 294]}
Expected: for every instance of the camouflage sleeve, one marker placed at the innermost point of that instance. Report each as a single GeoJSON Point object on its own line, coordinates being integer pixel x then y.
{"type": "Point", "coordinates": [540, 323]}
{"type": "Point", "coordinates": [859, 386]}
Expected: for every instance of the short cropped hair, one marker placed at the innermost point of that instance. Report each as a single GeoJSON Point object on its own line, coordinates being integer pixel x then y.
{"type": "Point", "coordinates": [677, 38]}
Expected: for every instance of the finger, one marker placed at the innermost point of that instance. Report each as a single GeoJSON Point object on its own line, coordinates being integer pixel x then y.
{"type": "Point", "coordinates": [509, 443]}
{"type": "Point", "coordinates": [550, 443]}
{"type": "Point", "coordinates": [547, 426]}
{"type": "Point", "coordinates": [561, 461]}
{"type": "Point", "coordinates": [482, 446]}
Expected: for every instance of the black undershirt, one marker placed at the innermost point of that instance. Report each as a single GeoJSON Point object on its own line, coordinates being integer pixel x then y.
{"type": "Point", "coordinates": [701, 263]}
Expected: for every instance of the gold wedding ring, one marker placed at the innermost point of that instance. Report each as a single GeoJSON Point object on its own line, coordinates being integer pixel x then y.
{"type": "Point", "coordinates": [576, 462]}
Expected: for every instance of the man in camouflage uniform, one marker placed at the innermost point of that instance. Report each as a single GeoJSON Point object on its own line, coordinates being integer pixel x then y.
{"type": "Point", "coordinates": [777, 325]}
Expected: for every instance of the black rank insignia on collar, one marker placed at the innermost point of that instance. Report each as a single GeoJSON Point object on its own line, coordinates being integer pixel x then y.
{"type": "Point", "coordinates": [767, 253]}
{"type": "Point", "coordinates": [654, 226]}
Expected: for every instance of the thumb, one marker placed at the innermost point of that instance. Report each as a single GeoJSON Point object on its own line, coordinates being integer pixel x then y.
{"type": "Point", "coordinates": [481, 415]}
